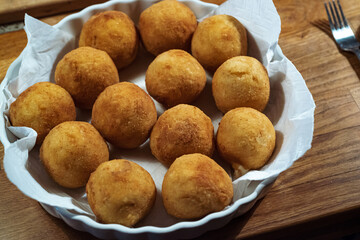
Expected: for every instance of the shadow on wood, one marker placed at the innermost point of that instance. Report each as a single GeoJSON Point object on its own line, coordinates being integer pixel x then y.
{"type": "Point", "coordinates": [319, 229]}
{"type": "Point", "coordinates": [233, 228]}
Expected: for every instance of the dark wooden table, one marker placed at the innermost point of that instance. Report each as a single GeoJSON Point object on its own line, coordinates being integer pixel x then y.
{"type": "Point", "coordinates": [317, 198]}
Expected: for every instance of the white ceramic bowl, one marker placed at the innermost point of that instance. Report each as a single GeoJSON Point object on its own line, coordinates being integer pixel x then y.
{"type": "Point", "coordinates": [293, 122]}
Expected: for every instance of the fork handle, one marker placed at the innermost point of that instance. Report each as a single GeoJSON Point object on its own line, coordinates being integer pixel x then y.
{"type": "Point", "coordinates": [357, 53]}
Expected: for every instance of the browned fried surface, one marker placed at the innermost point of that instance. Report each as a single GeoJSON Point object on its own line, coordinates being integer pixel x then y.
{"type": "Point", "coordinates": [167, 25]}
{"type": "Point", "coordinates": [85, 72]}
{"type": "Point", "coordinates": [41, 107]}
{"type": "Point", "coordinates": [175, 77]}
{"type": "Point", "coordinates": [124, 114]}
{"type": "Point", "coordinates": [121, 192]}
{"type": "Point", "coordinates": [181, 130]}
{"type": "Point", "coordinates": [241, 82]}
{"type": "Point", "coordinates": [72, 151]}
{"type": "Point", "coordinates": [217, 39]}
{"type": "Point", "coordinates": [113, 32]}
{"type": "Point", "coordinates": [194, 186]}
{"type": "Point", "coordinates": [246, 137]}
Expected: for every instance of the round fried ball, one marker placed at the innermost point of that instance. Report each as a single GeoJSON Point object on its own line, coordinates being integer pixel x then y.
{"type": "Point", "coordinates": [246, 139]}
{"type": "Point", "coordinates": [217, 39]}
{"type": "Point", "coordinates": [120, 192]}
{"type": "Point", "coordinates": [180, 130]}
{"type": "Point", "coordinates": [241, 82]}
{"type": "Point", "coordinates": [194, 186]}
{"type": "Point", "coordinates": [124, 114]}
{"type": "Point", "coordinates": [85, 72]}
{"type": "Point", "coordinates": [72, 151]}
{"type": "Point", "coordinates": [113, 32]}
{"type": "Point", "coordinates": [167, 25]}
{"type": "Point", "coordinates": [175, 77]}
{"type": "Point", "coordinates": [41, 107]}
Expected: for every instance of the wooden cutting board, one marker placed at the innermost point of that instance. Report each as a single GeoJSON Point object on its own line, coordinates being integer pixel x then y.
{"type": "Point", "coordinates": [14, 10]}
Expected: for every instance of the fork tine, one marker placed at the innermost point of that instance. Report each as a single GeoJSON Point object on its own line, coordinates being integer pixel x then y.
{"type": "Point", "coordinates": [329, 16]}
{"type": "Point", "coordinates": [337, 14]}
{"type": "Point", "coordinates": [342, 14]}
{"type": "Point", "coordinates": [336, 25]}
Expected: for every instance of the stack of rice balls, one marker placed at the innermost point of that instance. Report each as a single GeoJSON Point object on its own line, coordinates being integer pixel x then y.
{"type": "Point", "coordinates": [76, 154]}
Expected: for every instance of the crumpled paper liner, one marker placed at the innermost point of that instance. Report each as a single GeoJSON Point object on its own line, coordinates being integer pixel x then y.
{"type": "Point", "coordinates": [291, 107]}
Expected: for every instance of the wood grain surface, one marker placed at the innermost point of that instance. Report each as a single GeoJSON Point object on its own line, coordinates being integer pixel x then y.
{"type": "Point", "coordinates": [14, 10]}
{"type": "Point", "coordinates": [317, 198]}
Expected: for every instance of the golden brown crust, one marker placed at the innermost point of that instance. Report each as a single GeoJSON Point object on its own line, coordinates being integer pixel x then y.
{"type": "Point", "coordinates": [41, 107]}
{"type": "Point", "coordinates": [167, 25]}
{"type": "Point", "coordinates": [194, 186]}
{"type": "Point", "coordinates": [175, 77]}
{"type": "Point", "coordinates": [241, 82]}
{"type": "Point", "coordinates": [121, 192]}
{"type": "Point", "coordinates": [85, 72]}
{"type": "Point", "coordinates": [181, 130]}
{"type": "Point", "coordinates": [113, 32]}
{"type": "Point", "coordinates": [217, 39]}
{"type": "Point", "coordinates": [246, 137]}
{"type": "Point", "coordinates": [72, 151]}
{"type": "Point", "coordinates": [124, 114]}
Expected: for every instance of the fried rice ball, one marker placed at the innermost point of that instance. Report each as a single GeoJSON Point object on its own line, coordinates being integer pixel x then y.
{"type": "Point", "coordinates": [241, 82]}
{"type": "Point", "coordinates": [246, 139]}
{"type": "Point", "coordinates": [167, 25]}
{"type": "Point", "coordinates": [175, 77]}
{"type": "Point", "coordinates": [120, 192]}
{"type": "Point", "coordinates": [85, 72]}
{"type": "Point", "coordinates": [113, 32]}
{"type": "Point", "coordinates": [217, 39]}
{"type": "Point", "coordinates": [124, 114]}
{"type": "Point", "coordinates": [72, 151]}
{"type": "Point", "coordinates": [194, 186]}
{"type": "Point", "coordinates": [180, 130]}
{"type": "Point", "coordinates": [41, 107]}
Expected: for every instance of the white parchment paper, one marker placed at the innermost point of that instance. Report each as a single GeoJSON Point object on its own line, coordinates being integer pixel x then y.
{"type": "Point", "coordinates": [291, 107]}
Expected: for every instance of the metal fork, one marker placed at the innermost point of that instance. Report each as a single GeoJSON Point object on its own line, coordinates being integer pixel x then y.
{"type": "Point", "coordinates": [340, 29]}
